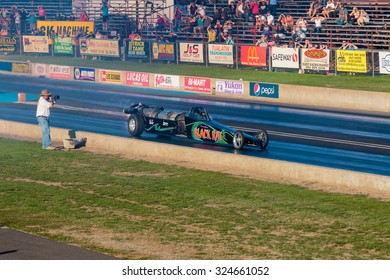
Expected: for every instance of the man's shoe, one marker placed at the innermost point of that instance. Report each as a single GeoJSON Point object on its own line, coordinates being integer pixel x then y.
{"type": "Point", "coordinates": [49, 148]}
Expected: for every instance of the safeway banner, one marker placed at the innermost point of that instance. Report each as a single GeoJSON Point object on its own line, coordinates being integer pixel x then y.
{"type": "Point", "coordinates": [285, 58]}
{"type": "Point", "coordinates": [253, 56]}
{"type": "Point", "coordinates": [197, 84]}
{"type": "Point", "coordinates": [138, 79]}
{"type": "Point", "coordinates": [221, 54]}
{"type": "Point", "coordinates": [35, 44]}
{"type": "Point", "coordinates": [384, 62]}
{"type": "Point", "coordinates": [191, 52]}
{"type": "Point", "coordinates": [351, 61]}
{"type": "Point", "coordinates": [314, 59]}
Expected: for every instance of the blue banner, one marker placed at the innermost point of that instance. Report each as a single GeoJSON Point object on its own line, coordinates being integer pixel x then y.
{"type": "Point", "coordinates": [163, 51]}
{"type": "Point", "coordinates": [5, 66]}
{"type": "Point", "coordinates": [264, 90]}
{"type": "Point", "coordinates": [84, 74]}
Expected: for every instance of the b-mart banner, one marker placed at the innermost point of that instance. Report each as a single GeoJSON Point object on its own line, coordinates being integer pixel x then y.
{"type": "Point", "coordinates": [314, 59]}
{"type": "Point", "coordinates": [62, 27]}
{"type": "Point", "coordinates": [35, 44]}
{"type": "Point", "coordinates": [384, 62]}
{"type": "Point", "coordinates": [285, 58]}
{"type": "Point", "coordinates": [197, 84]}
{"type": "Point", "coordinates": [191, 52]}
{"type": "Point", "coordinates": [110, 76]}
{"type": "Point", "coordinates": [220, 54]}
{"type": "Point", "coordinates": [351, 61]}
{"type": "Point", "coordinates": [99, 47]}
{"type": "Point", "coordinates": [253, 56]}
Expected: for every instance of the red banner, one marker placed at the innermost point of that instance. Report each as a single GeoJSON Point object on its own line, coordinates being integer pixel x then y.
{"type": "Point", "coordinates": [253, 56]}
{"type": "Point", "coordinates": [197, 84]}
{"type": "Point", "coordinates": [137, 79]}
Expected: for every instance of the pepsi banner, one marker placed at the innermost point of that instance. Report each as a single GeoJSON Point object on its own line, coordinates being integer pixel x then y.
{"type": "Point", "coordinates": [84, 74]}
{"type": "Point", "coordinates": [264, 90]}
{"type": "Point", "coordinates": [285, 58]}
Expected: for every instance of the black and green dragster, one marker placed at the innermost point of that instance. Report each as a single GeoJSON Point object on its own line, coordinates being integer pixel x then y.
{"type": "Point", "coordinates": [196, 124]}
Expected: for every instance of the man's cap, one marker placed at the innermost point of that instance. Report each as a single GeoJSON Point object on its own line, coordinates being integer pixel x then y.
{"type": "Point", "coordinates": [45, 92]}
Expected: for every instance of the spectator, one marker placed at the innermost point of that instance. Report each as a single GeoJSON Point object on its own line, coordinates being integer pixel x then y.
{"type": "Point", "coordinates": [262, 42]}
{"type": "Point", "coordinates": [329, 9]}
{"type": "Point", "coordinates": [270, 19]}
{"type": "Point", "coordinates": [302, 24]}
{"type": "Point", "coordinates": [227, 27]}
{"type": "Point", "coordinates": [317, 23]}
{"type": "Point", "coordinates": [348, 46]}
{"type": "Point", "coordinates": [272, 6]}
{"type": "Point", "coordinates": [83, 16]}
{"type": "Point", "coordinates": [41, 13]}
{"type": "Point", "coordinates": [160, 23]}
{"type": "Point", "coordinates": [17, 22]}
{"type": "Point", "coordinates": [4, 13]}
{"type": "Point", "coordinates": [32, 20]}
{"type": "Point", "coordinates": [23, 18]}
{"type": "Point", "coordinates": [289, 21]}
{"type": "Point", "coordinates": [239, 9]}
{"type": "Point", "coordinates": [211, 34]}
{"type": "Point", "coordinates": [343, 16]}
{"type": "Point", "coordinates": [201, 11]}
{"type": "Point", "coordinates": [167, 22]}
{"type": "Point", "coordinates": [228, 39]}
{"type": "Point", "coordinates": [247, 10]}
{"type": "Point", "coordinates": [354, 15]}
{"type": "Point", "coordinates": [192, 9]}
{"type": "Point", "coordinates": [255, 9]}
{"type": "Point", "coordinates": [282, 20]}
{"type": "Point", "coordinates": [218, 29]}
{"type": "Point", "coordinates": [104, 11]}
{"type": "Point", "coordinates": [199, 26]}
{"type": "Point", "coordinates": [207, 21]}
{"type": "Point", "coordinates": [232, 9]}
{"type": "Point", "coordinates": [263, 8]}
{"type": "Point", "coordinates": [363, 18]}
{"type": "Point", "coordinates": [177, 19]}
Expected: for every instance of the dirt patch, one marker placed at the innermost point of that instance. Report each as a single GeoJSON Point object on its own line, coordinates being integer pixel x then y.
{"type": "Point", "coordinates": [163, 175]}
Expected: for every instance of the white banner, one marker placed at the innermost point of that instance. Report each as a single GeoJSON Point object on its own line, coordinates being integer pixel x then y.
{"type": "Point", "coordinates": [37, 44]}
{"type": "Point", "coordinates": [220, 54]}
{"type": "Point", "coordinates": [59, 71]}
{"type": "Point", "coordinates": [384, 62]}
{"type": "Point", "coordinates": [166, 81]}
{"type": "Point", "coordinates": [314, 59]}
{"type": "Point", "coordinates": [191, 52]}
{"type": "Point", "coordinates": [229, 87]}
{"type": "Point", "coordinates": [285, 57]}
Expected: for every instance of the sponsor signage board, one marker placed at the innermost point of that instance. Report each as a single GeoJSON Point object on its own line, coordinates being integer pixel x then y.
{"type": "Point", "coordinates": [384, 62]}
{"type": "Point", "coordinates": [65, 27]}
{"type": "Point", "coordinates": [253, 56]}
{"type": "Point", "coordinates": [5, 66]}
{"type": "Point", "coordinates": [20, 67]}
{"type": "Point", "coordinates": [63, 45]}
{"type": "Point", "coordinates": [99, 47]}
{"type": "Point", "coordinates": [163, 51]}
{"type": "Point", "coordinates": [84, 74]}
{"type": "Point", "coordinates": [264, 90]}
{"type": "Point", "coordinates": [35, 44]}
{"type": "Point", "coordinates": [351, 61]}
{"type": "Point", "coordinates": [59, 71]}
{"type": "Point", "coordinates": [191, 52]}
{"type": "Point", "coordinates": [138, 49]}
{"type": "Point", "coordinates": [229, 87]}
{"type": "Point", "coordinates": [110, 76]}
{"type": "Point", "coordinates": [137, 79]}
{"type": "Point", "coordinates": [314, 59]}
{"type": "Point", "coordinates": [7, 44]}
{"type": "Point", "coordinates": [40, 69]}
{"type": "Point", "coordinates": [197, 84]}
{"type": "Point", "coordinates": [220, 54]}
{"type": "Point", "coordinates": [285, 58]}
{"type": "Point", "coordinates": [166, 81]}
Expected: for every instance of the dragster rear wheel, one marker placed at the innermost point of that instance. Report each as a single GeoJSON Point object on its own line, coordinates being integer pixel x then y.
{"type": "Point", "coordinates": [238, 140]}
{"type": "Point", "coordinates": [262, 136]}
{"type": "Point", "coordinates": [135, 125]}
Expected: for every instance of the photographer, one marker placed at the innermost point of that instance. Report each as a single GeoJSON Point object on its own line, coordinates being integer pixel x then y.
{"type": "Point", "coordinates": [45, 102]}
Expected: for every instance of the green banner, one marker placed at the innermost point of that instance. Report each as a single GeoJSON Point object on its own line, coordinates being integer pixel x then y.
{"type": "Point", "coordinates": [63, 45]}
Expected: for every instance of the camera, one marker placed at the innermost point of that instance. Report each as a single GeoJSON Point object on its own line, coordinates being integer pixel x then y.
{"type": "Point", "coordinates": [55, 97]}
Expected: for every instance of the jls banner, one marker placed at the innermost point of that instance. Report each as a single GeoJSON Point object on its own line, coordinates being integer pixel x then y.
{"type": "Point", "coordinates": [384, 62]}
{"type": "Point", "coordinates": [314, 59]}
{"type": "Point", "coordinates": [229, 87]}
{"type": "Point", "coordinates": [99, 47]}
{"type": "Point", "coordinates": [35, 44]}
{"type": "Point", "coordinates": [166, 81]}
{"type": "Point", "coordinates": [65, 27]}
{"type": "Point", "coordinates": [163, 51]}
{"type": "Point", "coordinates": [110, 76]}
{"type": "Point", "coordinates": [138, 49]}
{"type": "Point", "coordinates": [285, 58]}
{"type": "Point", "coordinates": [191, 52]}
{"type": "Point", "coordinates": [59, 72]}
{"type": "Point", "coordinates": [351, 61]}
{"type": "Point", "coordinates": [139, 79]}
{"type": "Point", "coordinates": [197, 84]}
{"type": "Point", "coordinates": [221, 54]}
{"type": "Point", "coordinates": [63, 45]}
{"type": "Point", "coordinates": [253, 56]}
{"type": "Point", "coordinates": [7, 44]}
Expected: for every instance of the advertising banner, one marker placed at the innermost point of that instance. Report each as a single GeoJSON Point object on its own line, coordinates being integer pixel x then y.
{"type": "Point", "coordinates": [191, 52]}
{"type": "Point", "coordinates": [7, 44]}
{"type": "Point", "coordinates": [313, 59]}
{"type": "Point", "coordinates": [220, 54]}
{"type": "Point", "coordinates": [99, 47]}
{"type": "Point", "coordinates": [59, 72]}
{"type": "Point", "coordinates": [351, 61]}
{"type": "Point", "coordinates": [35, 44]}
{"type": "Point", "coordinates": [109, 76]}
{"type": "Point", "coordinates": [84, 74]}
{"type": "Point", "coordinates": [285, 57]}
{"type": "Point", "coordinates": [197, 84]}
{"type": "Point", "coordinates": [65, 27]}
{"type": "Point", "coordinates": [384, 62]}
{"type": "Point", "coordinates": [137, 79]}
{"type": "Point", "coordinates": [138, 49]}
{"type": "Point", "coordinates": [39, 69]}
{"type": "Point", "coordinates": [166, 81]}
{"type": "Point", "coordinates": [229, 87]}
{"type": "Point", "coordinates": [163, 51]}
{"type": "Point", "coordinates": [63, 45]}
{"type": "Point", "coordinates": [5, 66]}
{"type": "Point", "coordinates": [20, 67]}
{"type": "Point", "coordinates": [264, 90]}
{"type": "Point", "coordinates": [253, 56]}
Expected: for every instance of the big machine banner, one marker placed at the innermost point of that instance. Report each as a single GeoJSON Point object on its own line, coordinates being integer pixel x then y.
{"type": "Point", "coordinates": [166, 81]}
{"type": "Point", "coordinates": [285, 58]}
{"type": "Point", "coordinates": [35, 44]}
{"type": "Point", "coordinates": [138, 49]}
{"type": "Point", "coordinates": [384, 62]}
{"type": "Point", "coordinates": [191, 52]}
{"type": "Point", "coordinates": [351, 61]}
{"type": "Point", "coordinates": [99, 47]}
{"type": "Point", "coordinates": [197, 84]}
{"type": "Point", "coordinates": [253, 56]}
{"type": "Point", "coordinates": [221, 54]}
{"type": "Point", "coordinates": [7, 44]}
{"type": "Point", "coordinates": [63, 27]}
{"type": "Point", "coordinates": [63, 45]}
{"type": "Point", "coordinates": [314, 59]}
{"type": "Point", "coordinates": [138, 79]}
{"type": "Point", "coordinates": [163, 51]}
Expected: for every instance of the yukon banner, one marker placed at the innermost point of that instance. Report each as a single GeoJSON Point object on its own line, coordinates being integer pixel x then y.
{"type": "Point", "coordinates": [229, 87]}
{"type": "Point", "coordinates": [314, 59]}
{"type": "Point", "coordinates": [285, 58]}
{"type": "Point", "coordinates": [264, 90]}
{"type": "Point", "coordinates": [63, 45]}
{"type": "Point", "coordinates": [138, 49]}
{"type": "Point", "coordinates": [110, 76]}
{"type": "Point", "coordinates": [65, 27]}
{"type": "Point", "coordinates": [351, 61]}
{"type": "Point", "coordinates": [137, 79]}
{"type": "Point", "coordinates": [253, 56]}
{"type": "Point", "coordinates": [163, 51]}
{"type": "Point", "coordinates": [59, 72]}
{"type": "Point", "coordinates": [384, 62]}
{"type": "Point", "coordinates": [197, 84]}
{"type": "Point", "coordinates": [220, 54]}
{"type": "Point", "coordinates": [166, 81]}
{"type": "Point", "coordinates": [7, 44]}
{"type": "Point", "coordinates": [99, 47]}
{"type": "Point", "coordinates": [84, 74]}
{"type": "Point", "coordinates": [191, 52]}
{"type": "Point", "coordinates": [35, 44]}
